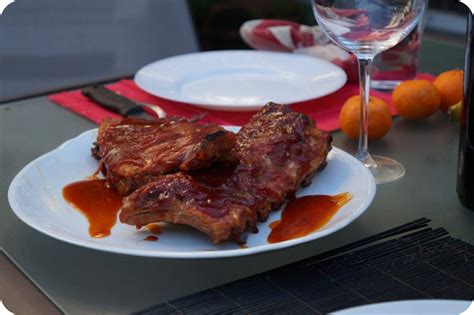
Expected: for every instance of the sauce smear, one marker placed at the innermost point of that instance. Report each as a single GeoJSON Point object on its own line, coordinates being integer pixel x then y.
{"type": "Point", "coordinates": [98, 202]}
{"type": "Point", "coordinates": [305, 215]}
{"type": "Point", "coordinates": [151, 238]}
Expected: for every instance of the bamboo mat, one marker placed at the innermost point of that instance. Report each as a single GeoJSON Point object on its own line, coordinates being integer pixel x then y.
{"type": "Point", "coordinates": [412, 261]}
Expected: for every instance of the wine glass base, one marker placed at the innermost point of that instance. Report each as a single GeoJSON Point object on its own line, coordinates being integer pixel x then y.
{"type": "Point", "coordinates": [385, 170]}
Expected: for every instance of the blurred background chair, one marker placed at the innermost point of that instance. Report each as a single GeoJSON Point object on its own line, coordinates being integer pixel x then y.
{"type": "Point", "coordinates": [48, 45]}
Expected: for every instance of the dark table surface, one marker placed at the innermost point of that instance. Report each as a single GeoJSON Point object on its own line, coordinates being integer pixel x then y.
{"type": "Point", "coordinates": [84, 281]}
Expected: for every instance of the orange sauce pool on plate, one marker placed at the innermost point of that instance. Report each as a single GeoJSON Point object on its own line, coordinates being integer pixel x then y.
{"type": "Point", "coordinates": [97, 201]}
{"type": "Point", "coordinates": [305, 215]}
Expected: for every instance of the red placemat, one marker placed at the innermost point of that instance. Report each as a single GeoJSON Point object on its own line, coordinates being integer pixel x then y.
{"type": "Point", "coordinates": [325, 110]}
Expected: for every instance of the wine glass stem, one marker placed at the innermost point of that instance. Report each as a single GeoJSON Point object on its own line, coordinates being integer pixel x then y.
{"type": "Point", "coordinates": [364, 86]}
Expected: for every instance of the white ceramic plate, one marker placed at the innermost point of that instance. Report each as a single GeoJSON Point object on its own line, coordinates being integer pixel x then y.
{"type": "Point", "coordinates": [413, 307]}
{"type": "Point", "coordinates": [240, 80]}
{"type": "Point", "coordinates": [35, 195]}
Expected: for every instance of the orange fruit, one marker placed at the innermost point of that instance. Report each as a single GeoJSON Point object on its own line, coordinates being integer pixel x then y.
{"type": "Point", "coordinates": [450, 85]}
{"type": "Point", "coordinates": [416, 99]}
{"type": "Point", "coordinates": [380, 119]}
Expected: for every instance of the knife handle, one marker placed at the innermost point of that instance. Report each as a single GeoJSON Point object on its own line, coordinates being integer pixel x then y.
{"type": "Point", "coordinates": [112, 100]}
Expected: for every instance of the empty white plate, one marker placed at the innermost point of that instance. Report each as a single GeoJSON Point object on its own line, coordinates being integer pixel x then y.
{"type": "Point", "coordinates": [240, 80]}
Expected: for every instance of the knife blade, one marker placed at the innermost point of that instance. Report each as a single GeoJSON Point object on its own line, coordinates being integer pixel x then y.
{"type": "Point", "coordinates": [120, 104]}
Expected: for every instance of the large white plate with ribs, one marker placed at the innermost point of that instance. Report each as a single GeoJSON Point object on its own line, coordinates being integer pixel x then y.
{"type": "Point", "coordinates": [35, 196]}
{"type": "Point", "coordinates": [240, 80]}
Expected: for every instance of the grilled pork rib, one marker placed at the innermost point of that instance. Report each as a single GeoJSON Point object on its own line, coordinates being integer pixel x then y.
{"type": "Point", "coordinates": [275, 152]}
{"type": "Point", "coordinates": [136, 151]}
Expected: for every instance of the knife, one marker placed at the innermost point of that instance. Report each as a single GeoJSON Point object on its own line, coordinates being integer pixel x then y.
{"type": "Point", "coordinates": [120, 104]}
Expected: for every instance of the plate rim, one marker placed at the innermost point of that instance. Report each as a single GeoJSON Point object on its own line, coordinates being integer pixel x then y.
{"type": "Point", "coordinates": [238, 108]}
{"type": "Point", "coordinates": [394, 304]}
{"type": "Point", "coordinates": [211, 254]}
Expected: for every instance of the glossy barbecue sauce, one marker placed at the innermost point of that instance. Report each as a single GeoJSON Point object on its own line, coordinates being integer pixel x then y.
{"type": "Point", "coordinates": [154, 229]}
{"type": "Point", "coordinates": [151, 238]}
{"type": "Point", "coordinates": [97, 201]}
{"type": "Point", "coordinates": [305, 215]}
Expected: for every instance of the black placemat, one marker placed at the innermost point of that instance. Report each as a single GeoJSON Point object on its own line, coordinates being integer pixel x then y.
{"type": "Point", "coordinates": [420, 263]}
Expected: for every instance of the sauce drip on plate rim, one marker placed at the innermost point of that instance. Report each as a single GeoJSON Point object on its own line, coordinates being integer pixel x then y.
{"type": "Point", "coordinates": [306, 214]}
{"type": "Point", "coordinates": [154, 229]}
{"type": "Point", "coordinates": [151, 238]}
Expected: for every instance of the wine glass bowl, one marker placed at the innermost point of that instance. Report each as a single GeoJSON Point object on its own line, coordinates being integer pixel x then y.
{"type": "Point", "coordinates": [366, 28]}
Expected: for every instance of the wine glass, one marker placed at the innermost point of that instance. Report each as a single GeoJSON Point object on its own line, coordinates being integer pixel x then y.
{"type": "Point", "coordinates": [366, 28]}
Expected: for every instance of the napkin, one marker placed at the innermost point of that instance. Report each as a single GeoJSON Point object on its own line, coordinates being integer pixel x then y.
{"type": "Point", "coordinates": [324, 110]}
